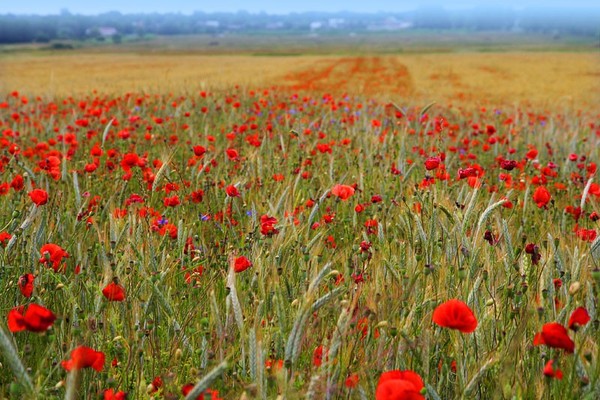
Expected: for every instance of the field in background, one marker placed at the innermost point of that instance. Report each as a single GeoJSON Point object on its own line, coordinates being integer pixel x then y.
{"type": "Point", "coordinates": [413, 69]}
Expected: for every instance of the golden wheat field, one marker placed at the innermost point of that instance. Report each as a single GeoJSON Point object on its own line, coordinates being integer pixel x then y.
{"type": "Point", "coordinates": [542, 79]}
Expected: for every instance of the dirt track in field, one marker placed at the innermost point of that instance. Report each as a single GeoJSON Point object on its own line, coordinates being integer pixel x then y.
{"type": "Point", "coordinates": [544, 79]}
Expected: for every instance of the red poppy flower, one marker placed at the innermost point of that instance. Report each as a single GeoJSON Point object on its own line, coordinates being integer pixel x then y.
{"type": "Point", "coordinates": [212, 394]}
{"type": "Point", "coordinates": [399, 385]}
{"type": "Point", "coordinates": [156, 384]}
{"type": "Point", "coordinates": [17, 183]}
{"type": "Point", "coordinates": [110, 394]}
{"type": "Point", "coordinates": [4, 238]}
{"type": "Point", "coordinates": [131, 160]}
{"type": "Point", "coordinates": [232, 191]}
{"type": "Point", "coordinates": [38, 196]}
{"type": "Point", "coordinates": [455, 314]}
{"type": "Point", "coordinates": [241, 264]}
{"type": "Point", "coordinates": [508, 165]}
{"type": "Point", "coordinates": [554, 335]}
{"type": "Point", "coordinates": [84, 357]}
{"type": "Point", "coordinates": [343, 192]}
{"type": "Point", "coordinates": [318, 356]}
{"type": "Point", "coordinates": [35, 319]}
{"type": "Point", "coordinates": [551, 372]}
{"type": "Point", "coordinates": [351, 381]}
{"type": "Point", "coordinates": [25, 284]}
{"type": "Point", "coordinates": [197, 196]}
{"type": "Point", "coordinates": [578, 318]}
{"type": "Point", "coordinates": [232, 154]}
{"type": "Point", "coordinates": [171, 201]}
{"type": "Point", "coordinates": [267, 225]}
{"type": "Point", "coordinates": [541, 196]}
{"type": "Point", "coordinates": [468, 172]}
{"type": "Point", "coordinates": [531, 154]}
{"type": "Point", "coordinates": [185, 389]}
{"type": "Point", "coordinates": [114, 292]}
{"type": "Point", "coordinates": [376, 199]}
{"type": "Point", "coordinates": [52, 255]}
{"type": "Point", "coordinates": [199, 150]}
{"type": "Point", "coordinates": [432, 163]}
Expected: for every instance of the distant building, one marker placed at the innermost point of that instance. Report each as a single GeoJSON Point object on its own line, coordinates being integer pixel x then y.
{"type": "Point", "coordinates": [104, 31]}
{"type": "Point", "coordinates": [107, 31]}
{"type": "Point", "coordinates": [391, 24]}
{"type": "Point", "coordinates": [335, 22]}
{"type": "Point", "coordinates": [315, 25]}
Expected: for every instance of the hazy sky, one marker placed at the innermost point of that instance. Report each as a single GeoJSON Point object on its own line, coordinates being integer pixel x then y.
{"type": "Point", "coordinates": [269, 6]}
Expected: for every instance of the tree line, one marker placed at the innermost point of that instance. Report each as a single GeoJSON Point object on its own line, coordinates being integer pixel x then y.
{"type": "Point", "coordinates": [115, 26]}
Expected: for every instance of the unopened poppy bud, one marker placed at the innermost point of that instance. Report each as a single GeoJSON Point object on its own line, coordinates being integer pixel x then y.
{"type": "Point", "coordinates": [334, 273]}
{"type": "Point", "coordinates": [60, 286]}
{"type": "Point", "coordinates": [178, 354]}
{"type": "Point", "coordinates": [574, 288]}
{"type": "Point", "coordinates": [150, 389]}
{"type": "Point", "coordinates": [381, 324]}
{"type": "Point", "coordinates": [59, 384]}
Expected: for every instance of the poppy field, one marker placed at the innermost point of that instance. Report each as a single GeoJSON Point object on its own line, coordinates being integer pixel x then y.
{"type": "Point", "coordinates": [297, 242]}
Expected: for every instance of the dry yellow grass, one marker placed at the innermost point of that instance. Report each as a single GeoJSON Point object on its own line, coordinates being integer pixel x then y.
{"type": "Point", "coordinates": [543, 79]}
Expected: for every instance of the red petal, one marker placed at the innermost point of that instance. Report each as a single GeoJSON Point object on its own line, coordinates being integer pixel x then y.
{"type": "Point", "coordinates": [555, 335]}
{"type": "Point", "coordinates": [579, 317]}
{"type": "Point", "coordinates": [38, 318]}
{"type": "Point", "coordinates": [395, 389]}
{"type": "Point", "coordinates": [114, 292]}
{"type": "Point", "coordinates": [16, 322]}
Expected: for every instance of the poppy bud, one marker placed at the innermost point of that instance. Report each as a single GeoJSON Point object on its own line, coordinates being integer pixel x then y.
{"type": "Point", "coordinates": [574, 288]}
